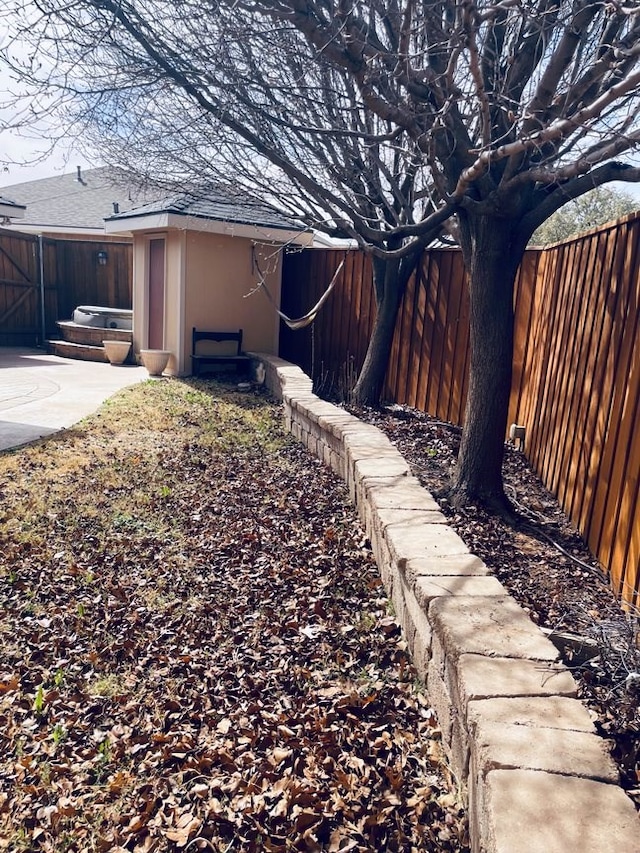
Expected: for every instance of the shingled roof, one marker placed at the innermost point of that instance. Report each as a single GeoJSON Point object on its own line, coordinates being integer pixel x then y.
{"type": "Point", "coordinates": [214, 206]}
{"type": "Point", "coordinates": [79, 201]}
{"type": "Point", "coordinates": [83, 201]}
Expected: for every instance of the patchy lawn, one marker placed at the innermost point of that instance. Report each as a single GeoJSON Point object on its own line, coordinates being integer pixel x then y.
{"type": "Point", "coordinates": [196, 652]}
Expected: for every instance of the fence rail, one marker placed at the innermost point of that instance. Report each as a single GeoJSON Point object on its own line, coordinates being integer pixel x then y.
{"type": "Point", "coordinates": [576, 371]}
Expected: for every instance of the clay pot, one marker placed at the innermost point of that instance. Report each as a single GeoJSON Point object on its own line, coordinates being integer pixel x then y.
{"type": "Point", "coordinates": [155, 360]}
{"type": "Point", "coordinates": [117, 351]}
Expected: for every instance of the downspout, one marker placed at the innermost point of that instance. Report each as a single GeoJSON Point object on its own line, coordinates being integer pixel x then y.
{"type": "Point", "coordinates": [43, 323]}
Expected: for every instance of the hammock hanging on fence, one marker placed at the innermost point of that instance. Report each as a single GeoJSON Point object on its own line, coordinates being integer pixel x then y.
{"type": "Point", "coordinates": [308, 318]}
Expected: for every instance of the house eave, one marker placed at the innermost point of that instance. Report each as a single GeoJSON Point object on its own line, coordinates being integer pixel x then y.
{"type": "Point", "coordinates": [130, 225]}
{"type": "Point", "coordinates": [31, 228]}
{"type": "Point", "coordinates": [12, 211]}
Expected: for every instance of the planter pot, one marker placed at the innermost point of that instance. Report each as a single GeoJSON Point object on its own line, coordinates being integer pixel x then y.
{"type": "Point", "coordinates": [155, 360]}
{"type": "Point", "coordinates": [117, 351]}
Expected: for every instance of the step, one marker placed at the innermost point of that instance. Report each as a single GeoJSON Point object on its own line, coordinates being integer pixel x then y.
{"type": "Point", "coordinates": [83, 352]}
{"type": "Point", "coordinates": [91, 335]}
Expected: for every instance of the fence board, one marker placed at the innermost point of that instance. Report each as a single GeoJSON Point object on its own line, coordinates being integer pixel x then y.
{"type": "Point", "coordinates": [439, 334]}
{"type": "Point", "coordinates": [369, 308]}
{"type": "Point", "coordinates": [405, 341]}
{"type": "Point", "coordinates": [588, 389]}
{"type": "Point", "coordinates": [564, 350]}
{"type": "Point", "coordinates": [390, 389]}
{"type": "Point", "coordinates": [433, 298]}
{"type": "Point", "coordinates": [566, 465]}
{"type": "Point", "coordinates": [541, 322]}
{"type": "Point", "coordinates": [455, 409]}
{"type": "Point", "coordinates": [423, 294]}
{"type": "Point", "coordinates": [600, 406]}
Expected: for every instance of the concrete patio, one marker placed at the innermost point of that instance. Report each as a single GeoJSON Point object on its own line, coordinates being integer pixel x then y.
{"type": "Point", "coordinates": [41, 394]}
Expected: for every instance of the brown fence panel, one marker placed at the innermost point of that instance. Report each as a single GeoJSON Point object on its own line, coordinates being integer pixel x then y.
{"type": "Point", "coordinates": [576, 370]}
{"type": "Point", "coordinates": [582, 405]}
{"type": "Point", "coordinates": [429, 354]}
{"type": "Point", "coordinates": [332, 349]}
{"type": "Point", "coordinates": [67, 272]}
{"type": "Point", "coordinates": [82, 280]}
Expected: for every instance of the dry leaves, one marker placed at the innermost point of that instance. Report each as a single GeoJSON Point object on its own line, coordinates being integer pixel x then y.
{"type": "Point", "coordinates": [559, 593]}
{"type": "Point", "coordinates": [196, 650]}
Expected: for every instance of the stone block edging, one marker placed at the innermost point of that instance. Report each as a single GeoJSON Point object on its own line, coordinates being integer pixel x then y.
{"type": "Point", "coordinates": [538, 776]}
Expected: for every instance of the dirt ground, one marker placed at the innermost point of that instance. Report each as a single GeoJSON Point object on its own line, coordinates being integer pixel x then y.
{"type": "Point", "coordinates": [545, 565]}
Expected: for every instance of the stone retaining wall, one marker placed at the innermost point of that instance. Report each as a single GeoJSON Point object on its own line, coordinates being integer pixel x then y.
{"type": "Point", "coordinates": [539, 779]}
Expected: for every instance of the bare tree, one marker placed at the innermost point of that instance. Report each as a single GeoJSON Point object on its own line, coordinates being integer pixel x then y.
{"type": "Point", "coordinates": [389, 117]}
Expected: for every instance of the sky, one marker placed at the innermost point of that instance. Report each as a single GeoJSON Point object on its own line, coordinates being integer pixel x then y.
{"type": "Point", "coordinates": [14, 151]}
{"type": "Point", "coordinates": [28, 156]}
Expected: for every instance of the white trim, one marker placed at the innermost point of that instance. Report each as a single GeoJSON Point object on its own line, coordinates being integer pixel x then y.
{"type": "Point", "coordinates": [28, 228]}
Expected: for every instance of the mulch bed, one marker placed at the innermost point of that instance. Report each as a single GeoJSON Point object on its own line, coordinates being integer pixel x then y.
{"type": "Point", "coordinates": [546, 566]}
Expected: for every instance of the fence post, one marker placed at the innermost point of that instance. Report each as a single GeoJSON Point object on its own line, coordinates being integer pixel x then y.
{"type": "Point", "coordinates": [43, 323]}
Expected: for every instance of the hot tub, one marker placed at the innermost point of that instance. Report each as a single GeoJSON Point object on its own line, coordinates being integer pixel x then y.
{"type": "Point", "coordinates": [98, 317]}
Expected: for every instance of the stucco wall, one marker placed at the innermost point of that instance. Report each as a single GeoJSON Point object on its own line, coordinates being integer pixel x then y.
{"type": "Point", "coordinates": [220, 272]}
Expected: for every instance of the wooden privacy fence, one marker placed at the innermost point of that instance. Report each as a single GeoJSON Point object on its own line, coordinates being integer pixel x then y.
{"type": "Point", "coordinates": [579, 390]}
{"type": "Point", "coordinates": [576, 378]}
{"type": "Point", "coordinates": [335, 344]}
{"type": "Point", "coordinates": [42, 280]}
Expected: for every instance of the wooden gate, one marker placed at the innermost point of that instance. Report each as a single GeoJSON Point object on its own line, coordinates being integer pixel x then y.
{"type": "Point", "coordinates": [20, 299]}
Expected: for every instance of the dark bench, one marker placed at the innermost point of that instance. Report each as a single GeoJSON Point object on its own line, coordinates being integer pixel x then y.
{"type": "Point", "coordinates": [198, 359]}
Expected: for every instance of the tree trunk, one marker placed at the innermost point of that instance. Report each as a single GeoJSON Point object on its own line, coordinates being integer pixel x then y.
{"type": "Point", "coordinates": [492, 253]}
{"type": "Point", "coordinates": [390, 280]}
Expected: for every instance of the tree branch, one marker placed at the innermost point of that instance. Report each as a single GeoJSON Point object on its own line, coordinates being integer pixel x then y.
{"type": "Point", "coordinates": [574, 188]}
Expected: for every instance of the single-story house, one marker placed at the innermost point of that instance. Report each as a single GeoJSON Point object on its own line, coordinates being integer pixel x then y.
{"type": "Point", "coordinates": [197, 261]}
{"type": "Point", "coordinates": [200, 262]}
